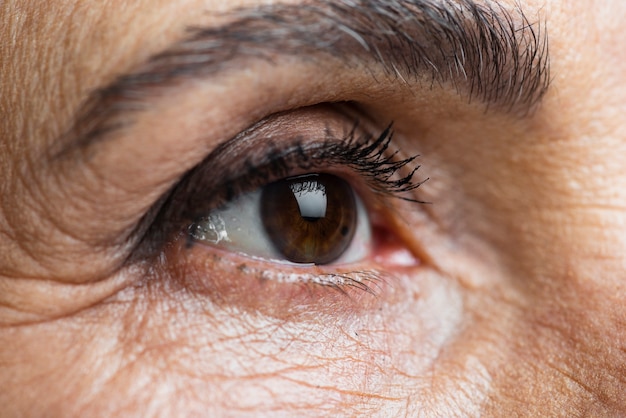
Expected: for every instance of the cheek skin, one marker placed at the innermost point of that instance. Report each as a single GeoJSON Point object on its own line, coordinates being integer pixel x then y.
{"type": "Point", "coordinates": [156, 348]}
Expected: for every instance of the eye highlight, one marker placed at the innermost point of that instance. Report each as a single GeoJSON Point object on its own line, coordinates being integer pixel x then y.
{"type": "Point", "coordinates": [306, 219]}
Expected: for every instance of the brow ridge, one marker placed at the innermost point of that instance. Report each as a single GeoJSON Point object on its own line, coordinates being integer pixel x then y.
{"type": "Point", "coordinates": [488, 53]}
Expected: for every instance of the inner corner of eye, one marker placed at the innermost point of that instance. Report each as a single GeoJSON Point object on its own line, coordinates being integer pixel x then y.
{"type": "Point", "coordinates": [314, 218]}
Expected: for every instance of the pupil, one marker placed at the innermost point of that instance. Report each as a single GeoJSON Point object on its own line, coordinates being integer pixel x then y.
{"type": "Point", "coordinates": [310, 218]}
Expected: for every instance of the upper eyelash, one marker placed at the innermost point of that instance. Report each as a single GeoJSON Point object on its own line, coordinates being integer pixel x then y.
{"type": "Point", "coordinates": [368, 156]}
{"type": "Point", "coordinates": [365, 154]}
{"type": "Point", "coordinates": [217, 181]}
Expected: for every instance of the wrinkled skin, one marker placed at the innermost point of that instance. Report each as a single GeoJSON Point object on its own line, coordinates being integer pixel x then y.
{"type": "Point", "coordinates": [514, 308]}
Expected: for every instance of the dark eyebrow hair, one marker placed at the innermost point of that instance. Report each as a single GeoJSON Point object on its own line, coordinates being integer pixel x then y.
{"type": "Point", "coordinates": [486, 52]}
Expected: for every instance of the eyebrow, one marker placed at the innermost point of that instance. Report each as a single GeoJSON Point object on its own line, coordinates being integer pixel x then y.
{"type": "Point", "coordinates": [486, 52]}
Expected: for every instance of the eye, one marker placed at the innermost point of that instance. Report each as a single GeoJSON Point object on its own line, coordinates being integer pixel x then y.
{"type": "Point", "coordinates": [308, 197]}
{"type": "Point", "coordinates": [307, 219]}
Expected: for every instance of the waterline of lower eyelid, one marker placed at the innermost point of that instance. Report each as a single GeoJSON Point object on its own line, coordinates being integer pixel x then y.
{"type": "Point", "coordinates": [369, 281]}
{"type": "Point", "coordinates": [366, 280]}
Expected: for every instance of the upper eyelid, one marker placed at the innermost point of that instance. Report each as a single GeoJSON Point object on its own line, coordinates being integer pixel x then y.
{"type": "Point", "coordinates": [204, 187]}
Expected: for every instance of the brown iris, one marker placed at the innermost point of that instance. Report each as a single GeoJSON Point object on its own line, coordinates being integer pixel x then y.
{"type": "Point", "coordinates": [310, 218]}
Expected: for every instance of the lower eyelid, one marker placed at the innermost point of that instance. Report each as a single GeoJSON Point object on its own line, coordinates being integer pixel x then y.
{"type": "Point", "coordinates": [259, 286]}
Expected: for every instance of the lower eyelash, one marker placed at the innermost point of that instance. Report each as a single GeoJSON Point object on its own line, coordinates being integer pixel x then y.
{"type": "Point", "coordinates": [221, 277]}
{"type": "Point", "coordinates": [366, 281]}
{"type": "Point", "coordinates": [369, 281]}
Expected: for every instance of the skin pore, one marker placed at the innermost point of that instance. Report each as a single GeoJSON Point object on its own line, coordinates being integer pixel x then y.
{"type": "Point", "coordinates": [511, 302]}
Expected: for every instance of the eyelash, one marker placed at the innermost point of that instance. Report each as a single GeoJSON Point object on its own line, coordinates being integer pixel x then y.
{"type": "Point", "coordinates": [365, 155]}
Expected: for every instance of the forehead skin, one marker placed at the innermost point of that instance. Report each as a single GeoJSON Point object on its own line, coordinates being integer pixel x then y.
{"type": "Point", "coordinates": [66, 52]}
{"type": "Point", "coordinates": [568, 336]}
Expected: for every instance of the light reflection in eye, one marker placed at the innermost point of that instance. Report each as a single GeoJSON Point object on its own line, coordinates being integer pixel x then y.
{"type": "Point", "coordinates": [310, 219]}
